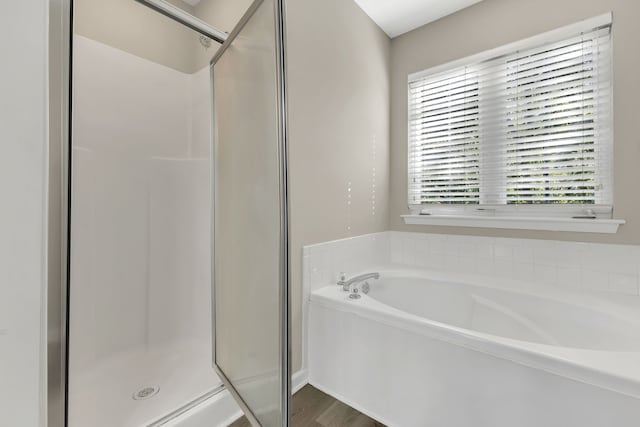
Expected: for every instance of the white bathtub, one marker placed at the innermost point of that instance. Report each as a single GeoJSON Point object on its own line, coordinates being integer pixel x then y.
{"type": "Point", "coordinates": [439, 350]}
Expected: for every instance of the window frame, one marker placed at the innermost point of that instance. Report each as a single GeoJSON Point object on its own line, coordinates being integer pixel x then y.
{"type": "Point", "coordinates": [480, 210]}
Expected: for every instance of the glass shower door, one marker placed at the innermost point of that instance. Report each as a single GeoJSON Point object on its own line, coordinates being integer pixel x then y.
{"type": "Point", "coordinates": [250, 217]}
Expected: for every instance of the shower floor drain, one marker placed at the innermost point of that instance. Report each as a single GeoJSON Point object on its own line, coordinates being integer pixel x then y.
{"type": "Point", "coordinates": [145, 393]}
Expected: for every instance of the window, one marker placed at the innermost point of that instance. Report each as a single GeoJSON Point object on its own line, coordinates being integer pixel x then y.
{"type": "Point", "coordinates": [524, 129]}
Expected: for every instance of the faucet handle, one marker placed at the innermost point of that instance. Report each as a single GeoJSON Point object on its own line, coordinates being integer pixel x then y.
{"type": "Point", "coordinates": [343, 282]}
{"type": "Point", "coordinates": [342, 279]}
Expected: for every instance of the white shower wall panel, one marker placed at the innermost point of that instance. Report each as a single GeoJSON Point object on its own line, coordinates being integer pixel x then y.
{"type": "Point", "coordinates": [140, 205]}
{"type": "Point", "coordinates": [200, 114]}
{"type": "Point", "coordinates": [179, 248]}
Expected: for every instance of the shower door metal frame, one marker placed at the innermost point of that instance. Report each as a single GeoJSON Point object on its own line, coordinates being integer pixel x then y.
{"type": "Point", "coordinates": [58, 215]}
{"type": "Point", "coordinates": [186, 19]}
{"type": "Point", "coordinates": [283, 161]}
{"type": "Point", "coordinates": [59, 208]}
{"type": "Point", "coordinates": [61, 18]}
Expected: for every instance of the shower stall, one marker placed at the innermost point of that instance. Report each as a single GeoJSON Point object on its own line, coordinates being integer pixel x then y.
{"type": "Point", "coordinates": [177, 266]}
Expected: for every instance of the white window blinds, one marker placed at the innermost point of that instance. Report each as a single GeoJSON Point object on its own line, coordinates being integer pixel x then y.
{"type": "Point", "coordinates": [532, 126]}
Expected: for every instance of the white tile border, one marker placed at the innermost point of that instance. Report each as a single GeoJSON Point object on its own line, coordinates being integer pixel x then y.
{"type": "Point", "coordinates": [595, 266]}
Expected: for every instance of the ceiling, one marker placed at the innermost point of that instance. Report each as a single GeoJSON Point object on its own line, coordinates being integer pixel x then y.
{"type": "Point", "coordinates": [191, 2]}
{"type": "Point", "coordinates": [399, 16]}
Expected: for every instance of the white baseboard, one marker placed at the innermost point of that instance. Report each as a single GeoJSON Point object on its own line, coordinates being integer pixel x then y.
{"type": "Point", "coordinates": [299, 380]}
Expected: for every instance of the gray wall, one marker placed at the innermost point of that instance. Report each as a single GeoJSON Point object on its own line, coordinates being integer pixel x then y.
{"type": "Point", "coordinates": [23, 239]}
{"type": "Point", "coordinates": [493, 23]}
{"type": "Point", "coordinates": [134, 28]}
{"type": "Point", "coordinates": [338, 65]}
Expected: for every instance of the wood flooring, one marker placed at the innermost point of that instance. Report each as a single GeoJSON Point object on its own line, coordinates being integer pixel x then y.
{"type": "Point", "coordinates": [313, 408]}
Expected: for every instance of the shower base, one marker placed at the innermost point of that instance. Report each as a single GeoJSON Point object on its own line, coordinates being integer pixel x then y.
{"type": "Point", "coordinates": [164, 380]}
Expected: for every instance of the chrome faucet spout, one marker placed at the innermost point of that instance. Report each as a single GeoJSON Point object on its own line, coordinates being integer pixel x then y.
{"type": "Point", "coordinates": [346, 284]}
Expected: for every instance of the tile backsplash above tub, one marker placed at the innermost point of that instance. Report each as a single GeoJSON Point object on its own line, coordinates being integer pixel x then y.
{"type": "Point", "coordinates": [323, 262]}
{"type": "Point", "coordinates": [590, 266]}
{"type": "Point", "coordinates": [593, 266]}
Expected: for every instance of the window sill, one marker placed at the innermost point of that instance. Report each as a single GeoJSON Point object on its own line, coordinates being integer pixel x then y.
{"type": "Point", "coordinates": [579, 225]}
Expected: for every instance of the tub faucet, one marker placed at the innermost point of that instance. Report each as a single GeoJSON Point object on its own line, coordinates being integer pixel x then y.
{"type": "Point", "coordinates": [346, 284]}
